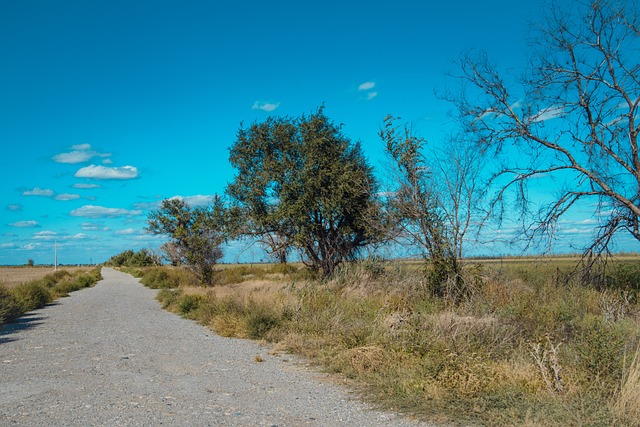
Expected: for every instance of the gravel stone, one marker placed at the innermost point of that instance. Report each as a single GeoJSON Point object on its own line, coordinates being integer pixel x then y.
{"type": "Point", "coordinates": [109, 355]}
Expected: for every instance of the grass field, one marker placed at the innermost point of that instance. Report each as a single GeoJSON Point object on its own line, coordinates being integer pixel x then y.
{"type": "Point", "coordinates": [530, 345]}
{"type": "Point", "coordinates": [12, 276]}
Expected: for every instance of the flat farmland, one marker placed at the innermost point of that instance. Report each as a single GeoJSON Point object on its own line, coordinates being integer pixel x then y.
{"type": "Point", "coordinates": [12, 276]}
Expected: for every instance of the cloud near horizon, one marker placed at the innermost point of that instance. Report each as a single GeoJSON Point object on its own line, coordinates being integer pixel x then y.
{"type": "Point", "coordinates": [25, 224]}
{"type": "Point", "coordinates": [265, 106]}
{"type": "Point", "coordinates": [103, 172]}
{"type": "Point", "coordinates": [127, 232]}
{"type": "Point", "coordinates": [82, 186]}
{"type": "Point", "coordinates": [199, 200]}
{"type": "Point", "coordinates": [90, 211]}
{"type": "Point", "coordinates": [81, 153]}
{"type": "Point", "coordinates": [66, 196]}
{"type": "Point", "coordinates": [94, 226]}
{"type": "Point", "coordinates": [40, 192]}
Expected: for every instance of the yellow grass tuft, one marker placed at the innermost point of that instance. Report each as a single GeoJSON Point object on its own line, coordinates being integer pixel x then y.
{"type": "Point", "coordinates": [626, 405]}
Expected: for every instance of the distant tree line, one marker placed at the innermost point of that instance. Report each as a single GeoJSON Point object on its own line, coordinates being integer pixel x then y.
{"type": "Point", "coordinates": [129, 258]}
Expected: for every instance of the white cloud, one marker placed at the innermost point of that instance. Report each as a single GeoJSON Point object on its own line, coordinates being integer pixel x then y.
{"type": "Point", "coordinates": [127, 232]}
{"type": "Point", "coordinates": [94, 226]}
{"type": "Point", "coordinates": [367, 86]}
{"type": "Point", "coordinates": [90, 211]}
{"type": "Point", "coordinates": [43, 192]}
{"type": "Point", "coordinates": [575, 230]}
{"type": "Point", "coordinates": [198, 200]}
{"type": "Point", "coordinates": [548, 113]}
{"type": "Point", "coordinates": [31, 246]}
{"type": "Point", "coordinates": [107, 162]}
{"type": "Point", "coordinates": [516, 104]}
{"type": "Point", "coordinates": [66, 196]}
{"type": "Point", "coordinates": [148, 237]}
{"type": "Point", "coordinates": [45, 235]}
{"type": "Point", "coordinates": [147, 206]}
{"type": "Point", "coordinates": [371, 95]}
{"type": "Point", "coordinates": [81, 153]}
{"type": "Point", "coordinates": [25, 224]}
{"type": "Point", "coordinates": [103, 172]}
{"type": "Point", "coordinates": [265, 106]}
{"type": "Point", "coordinates": [79, 236]}
{"type": "Point", "coordinates": [85, 186]}
{"type": "Point", "coordinates": [15, 207]}
{"type": "Point", "coordinates": [7, 245]}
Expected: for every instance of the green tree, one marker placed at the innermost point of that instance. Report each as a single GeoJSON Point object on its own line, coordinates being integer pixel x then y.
{"type": "Point", "coordinates": [302, 185]}
{"type": "Point", "coordinates": [197, 233]}
{"type": "Point", "coordinates": [129, 258]}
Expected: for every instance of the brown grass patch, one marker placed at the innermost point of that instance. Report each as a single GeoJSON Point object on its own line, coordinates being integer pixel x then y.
{"type": "Point", "coordinates": [13, 276]}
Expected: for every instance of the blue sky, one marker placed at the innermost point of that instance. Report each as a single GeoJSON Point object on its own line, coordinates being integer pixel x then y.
{"type": "Point", "coordinates": [107, 107]}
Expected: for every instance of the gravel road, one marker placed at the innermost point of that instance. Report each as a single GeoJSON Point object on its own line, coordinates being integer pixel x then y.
{"type": "Point", "coordinates": [110, 356]}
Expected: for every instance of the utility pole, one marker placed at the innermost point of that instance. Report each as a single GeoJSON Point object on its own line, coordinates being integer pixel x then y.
{"type": "Point", "coordinates": [55, 255]}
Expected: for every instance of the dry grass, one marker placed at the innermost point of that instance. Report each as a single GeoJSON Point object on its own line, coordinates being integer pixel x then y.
{"type": "Point", "coordinates": [12, 276]}
{"type": "Point", "coordinates": [626, 405]}
{"type": "Point", "coordinates": [526, 349]}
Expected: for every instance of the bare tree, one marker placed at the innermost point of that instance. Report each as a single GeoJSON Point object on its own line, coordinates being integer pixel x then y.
{"type": "Point", "coordinates": [414, 209]}
{"type": "Point", "coordinates": [173, 253]}
{"type": "Point", "coordinates": [457, 177]}
{"type": "Point", "coordinates": [572, 117]}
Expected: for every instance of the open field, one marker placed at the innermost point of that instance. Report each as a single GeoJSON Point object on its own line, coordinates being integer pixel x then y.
{"type": "Point", "coordinates": [12, 276]}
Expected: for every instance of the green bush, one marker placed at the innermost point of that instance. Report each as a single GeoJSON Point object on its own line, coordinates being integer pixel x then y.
{"type": "Point", "coordinates": [165, 278]}
{"type": "Point", "coordinates": [188, 304]}
{"type": "Point", "coordinates": [9, 306]}
{"type": "Point", "coordinates": [260, 319]}
{"type": "Point", "coordinates": [168, 297]}
{"type": "Point", "coordinates": [600, 346]}
{"type": "Point", "coordinates": [32, 295]}
{"type": "Point", "coordinates": [58, 275]}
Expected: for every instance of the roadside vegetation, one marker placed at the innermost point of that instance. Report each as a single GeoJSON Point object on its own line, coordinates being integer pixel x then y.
{"type": "Point", "coordinates": [529, 344]}
{"type": "Point", "coordinates": [19, 299]}
{"type": "Point", "coordinates": [541, 342]}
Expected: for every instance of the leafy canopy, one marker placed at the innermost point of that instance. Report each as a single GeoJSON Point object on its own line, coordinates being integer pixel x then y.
{"type": "Point", "coordinates": [303, 181]}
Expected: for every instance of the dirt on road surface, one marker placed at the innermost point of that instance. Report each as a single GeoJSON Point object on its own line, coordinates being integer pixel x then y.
{"type": "Point", "coordinates": [110, 356]}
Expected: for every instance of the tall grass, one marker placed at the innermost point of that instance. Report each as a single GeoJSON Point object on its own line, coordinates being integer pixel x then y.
{"type": "Point", "coordinates": [626, 405]}
{"type": "Point", "coordinates": [528, 346]}
{"type": "Point", "coordinates": [38, 293]}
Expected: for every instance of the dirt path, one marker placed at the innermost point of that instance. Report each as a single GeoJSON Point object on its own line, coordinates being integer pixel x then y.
{"type": "Point", "coordinates": [110, 355]}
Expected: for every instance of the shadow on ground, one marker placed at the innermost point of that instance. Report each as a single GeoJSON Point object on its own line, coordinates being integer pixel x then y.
{"type": "Point", "coordinates": [27, 321]}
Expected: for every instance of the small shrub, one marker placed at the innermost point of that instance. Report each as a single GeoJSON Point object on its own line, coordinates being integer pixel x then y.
{"type": "Point", "coordinates": [165, 278]}
{"type": "Point", "coordinates": [9, 306]}
{"type": "Point", "coordinates": [187, 304]}
{"type": "Point", "coordinates": [32, 295]}
{"type": "Point", "coordinates": [260, 319]}
{"type": "Point", "coordinates": [168, 297]}
{"type": "Point", "coordinates": [59, 275]}
{"type": "Point", "coordinates": [600, 346]}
